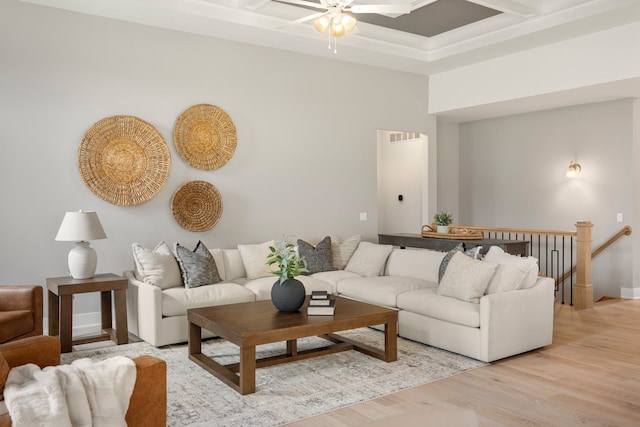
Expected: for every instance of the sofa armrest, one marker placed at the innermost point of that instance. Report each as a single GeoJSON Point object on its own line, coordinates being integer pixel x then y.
{"type": "Point", "coordinates": [517, 321]}
{"type": "Point", "coordinates": [144, 309]}
{"type": "Point", "coordinates": [42, 350]}
{"type": "Point", "coordinates": [148, 403]}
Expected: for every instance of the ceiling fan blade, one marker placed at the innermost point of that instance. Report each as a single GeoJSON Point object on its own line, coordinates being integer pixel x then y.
{"type": "Point", "coordinates": [304, 19]}
{"type": "Point", "coordinates": [303, 3]}
{"type": "Point", "coordinates": [380, 8]}
{"type": "Point", "coordinates": [309, 18]}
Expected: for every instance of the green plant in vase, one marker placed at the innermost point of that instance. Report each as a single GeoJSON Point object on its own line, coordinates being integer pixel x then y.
{"type": "Point", "coordinates": [443, 220]}
{"type": "Point", "coordinates": [289, 264]}
{"type": "Point", "coordinates": [287, 293]}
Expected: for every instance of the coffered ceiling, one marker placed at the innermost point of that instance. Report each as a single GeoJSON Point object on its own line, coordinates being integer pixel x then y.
{"type": "Point", "coordinates": [435, 36]}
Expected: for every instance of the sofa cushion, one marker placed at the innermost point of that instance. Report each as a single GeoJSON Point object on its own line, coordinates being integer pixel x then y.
{"type": "Point", "coordinates": [342, 252]}
{"type": "Point", "coordinates": [428, 303]}
{"type": "Point", "coordinates": [15, 323]}
{"type": "Point", "coordinates": [528, 266]}
{"type": "Point", "coordinates": [382, 290]}
{"type": "Point", "coordinates": [416, 263]}
{"type": "Point", "coordinates": [369, 259]}
{"type": "Point", "coordinates": [157, 266]}
{"type": "Point", "coordinates": [254, 258]}
{"type": "Point", "coordinates": [176, 301]}
{"type": "Point", "coordinates": [262, 287]}
{"type": "Point", "coordinates": [466, 279]}
{"type": "Point", "coordinates": [233, 266]}
{"type": "Point", "coordinates": [218, 258]}
{"type": "Point", "coordinates": [333, 277]}
{"type": "Point", "coordinates": [198, 267]}
{"type": "Point", "coordinates": [318, 258]}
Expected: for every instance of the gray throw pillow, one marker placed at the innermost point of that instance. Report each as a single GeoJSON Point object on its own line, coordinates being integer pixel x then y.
{"type": "Point", "coordinates": [198, 268]}
{"type": "Point", "coordinates": [319, 258]}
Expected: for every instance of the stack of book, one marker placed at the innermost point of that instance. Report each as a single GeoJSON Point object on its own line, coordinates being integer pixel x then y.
{"type": "Point", "coordinates": [320, 304]}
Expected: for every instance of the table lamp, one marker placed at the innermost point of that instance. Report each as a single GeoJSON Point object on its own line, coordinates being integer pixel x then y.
{"type": "Point", "coordinates": [80, 227]}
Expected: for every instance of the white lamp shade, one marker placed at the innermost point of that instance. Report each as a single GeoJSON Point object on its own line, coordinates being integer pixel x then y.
{"type": "Point", "coordinates": [80, 226]}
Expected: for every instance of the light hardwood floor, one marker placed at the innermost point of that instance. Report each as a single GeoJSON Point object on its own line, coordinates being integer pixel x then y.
{"type": "Point", "coordinates": [589, 376]}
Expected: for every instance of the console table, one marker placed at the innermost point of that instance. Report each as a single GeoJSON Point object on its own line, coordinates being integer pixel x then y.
{"type": "Point", "coordinates": [513, 247]}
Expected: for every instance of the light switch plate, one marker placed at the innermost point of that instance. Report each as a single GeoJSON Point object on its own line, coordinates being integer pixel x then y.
{"type": "Point", "coordinates": [363, 216]}
{"type": "Point", "coordinates": [619, 217]}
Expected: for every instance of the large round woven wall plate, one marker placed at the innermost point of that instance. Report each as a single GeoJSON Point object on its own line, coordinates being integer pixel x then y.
{"type": "Point", "coordinates": [124, 160]}
{"type": "Point", "coordinates": [197, 206]}
{"type": "Point", "coordinates": [205, 136]}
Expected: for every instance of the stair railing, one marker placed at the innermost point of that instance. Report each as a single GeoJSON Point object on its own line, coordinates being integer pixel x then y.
{"type": "Point", "coordinates": [555, 249]}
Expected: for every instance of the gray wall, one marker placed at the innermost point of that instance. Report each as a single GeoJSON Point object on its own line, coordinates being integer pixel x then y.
{"type": "Point", "coordinates": [305, 164]}
{"type": "Point", "coordinates": [448, 170]}
{"type": "Point", "coordinates": [512, 175]}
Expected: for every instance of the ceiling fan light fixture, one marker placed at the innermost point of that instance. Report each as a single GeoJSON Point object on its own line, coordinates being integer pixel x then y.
{"type": "Point", "coordinates": [348, 21]}
{"type": "Point", "coordinates": [338, 30]}
{"type": "Point", "coordinates": [321, 24]}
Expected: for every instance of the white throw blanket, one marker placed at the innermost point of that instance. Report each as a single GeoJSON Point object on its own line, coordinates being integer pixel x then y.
{"type": "Point", "coordinates": [85, 393]}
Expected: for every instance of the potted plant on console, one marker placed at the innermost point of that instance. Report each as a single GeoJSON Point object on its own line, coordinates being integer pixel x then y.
{"type": "Point", "coordinates": [287, 294]}
{"type": "Point", "coordinates": [443, 220]}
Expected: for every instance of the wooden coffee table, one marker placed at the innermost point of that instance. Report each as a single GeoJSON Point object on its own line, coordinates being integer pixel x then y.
{"type": "Point", "coordinates": [253, 323]}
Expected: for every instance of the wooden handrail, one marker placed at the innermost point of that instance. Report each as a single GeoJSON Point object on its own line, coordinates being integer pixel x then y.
{"type": "Point", "coordinates": [521, 230]}
{"type": "Point", "coordinates": [625, 231]}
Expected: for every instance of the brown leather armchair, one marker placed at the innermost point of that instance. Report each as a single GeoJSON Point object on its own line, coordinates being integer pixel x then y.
{"type": "Point", "coordinates": [20, 311]}
{"type": "Point", "coordinates": [148, 404]}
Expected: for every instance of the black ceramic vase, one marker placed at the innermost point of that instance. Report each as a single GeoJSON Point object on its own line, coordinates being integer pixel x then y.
{"type": "Point", "coordinates": [288, 296]}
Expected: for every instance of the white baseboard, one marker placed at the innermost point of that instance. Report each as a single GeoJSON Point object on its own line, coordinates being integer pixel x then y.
{"type": "Point", "coordinates": [630, 293]}
{"type": "Point", "coordinates": [83, 324]}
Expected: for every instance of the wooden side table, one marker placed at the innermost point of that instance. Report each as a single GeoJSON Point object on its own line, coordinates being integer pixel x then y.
{"type": "Point", "coordinates": [61, 291]}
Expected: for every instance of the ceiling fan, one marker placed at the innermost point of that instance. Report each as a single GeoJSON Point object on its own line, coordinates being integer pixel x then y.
{"type": "Point", "coordinates": [334, 19]}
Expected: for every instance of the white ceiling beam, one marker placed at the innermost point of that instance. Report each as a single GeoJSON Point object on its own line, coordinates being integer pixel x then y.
{"type": "Point", "coordinates": [252, 4]}
{"type": "Point", "coordinates": [521, 8]}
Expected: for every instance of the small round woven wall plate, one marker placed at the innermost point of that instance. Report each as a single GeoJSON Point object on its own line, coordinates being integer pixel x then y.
{"type": "Point", "coordinates": [197, 206]}
{"type": "Point", "coordinates": [124, 160]}
{"type": "Point", "coordinates": [205, 136]}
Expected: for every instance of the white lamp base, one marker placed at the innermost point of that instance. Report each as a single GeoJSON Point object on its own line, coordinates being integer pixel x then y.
{"type": "Point", "coordinates": [82, 261]}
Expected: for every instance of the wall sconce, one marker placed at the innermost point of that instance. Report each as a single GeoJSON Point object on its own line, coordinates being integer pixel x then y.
{"type": "Point", "coordinates": [573, 170]}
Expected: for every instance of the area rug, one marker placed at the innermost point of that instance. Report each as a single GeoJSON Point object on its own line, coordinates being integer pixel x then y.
{"type": "Point", "coordinates": [291, 391]}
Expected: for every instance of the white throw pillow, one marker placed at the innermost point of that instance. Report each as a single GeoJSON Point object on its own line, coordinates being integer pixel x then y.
{"type": "Point", "coordinates": [158, 266]}
{"type": "Point", "coordinates": [254, 258]}
{"type": "Point", "coordinates": [233, 266]}
{"type": "Point", "coordinates": [369, 259]}
{"type": "Point", "coordinates": [506, 278]}
{"type": "Point", "coordinates": [527, 265]}
{"type": "Point", "coordinates": [342, 252]}
{"type": "Point", "coordinates": [466, 279]}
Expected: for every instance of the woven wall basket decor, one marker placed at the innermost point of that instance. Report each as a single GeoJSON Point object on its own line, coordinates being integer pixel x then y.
{"type": "Point", "coordinates": [124, 160]}
{"type": "Point", "coordinates": [205, 136]}
{"type": "Point", "coordinates": [197, 206]}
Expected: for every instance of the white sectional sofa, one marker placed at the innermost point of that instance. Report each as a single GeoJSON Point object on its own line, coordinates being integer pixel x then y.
{"type": "Point", "coordinates": [506, 321]}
